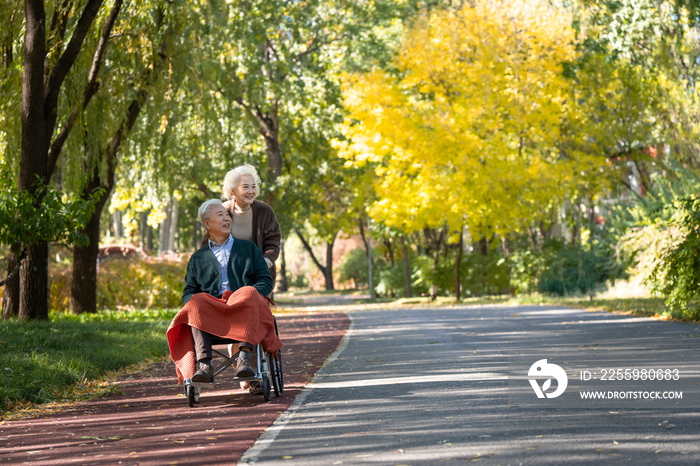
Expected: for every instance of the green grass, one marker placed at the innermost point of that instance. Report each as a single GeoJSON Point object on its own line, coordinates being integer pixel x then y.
{"type": "Point", "coordinates": [42, 361]}
{"type": "Point", "coordinates": [638, 306]}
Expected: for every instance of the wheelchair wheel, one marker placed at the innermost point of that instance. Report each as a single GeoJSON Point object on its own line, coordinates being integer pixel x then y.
{"type": "Point", "coordinates": [191, 393]}
{"type": "Point", "coordinates": [271, 363]}
{"type": "Point", "coordinates": [266, 388]}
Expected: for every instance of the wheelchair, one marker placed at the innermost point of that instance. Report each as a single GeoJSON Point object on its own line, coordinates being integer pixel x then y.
{"type": "Point", "coordinates": [268, 371]}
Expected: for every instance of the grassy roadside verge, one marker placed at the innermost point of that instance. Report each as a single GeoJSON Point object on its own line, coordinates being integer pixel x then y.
{"type": "Point", "coordinates": [644, 307]}
{"type": "Point", "coordinates": [63, 357]}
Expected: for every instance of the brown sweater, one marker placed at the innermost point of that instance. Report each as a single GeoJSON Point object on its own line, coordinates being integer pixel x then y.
{"type": "Point", "coordinates": [266, 231]}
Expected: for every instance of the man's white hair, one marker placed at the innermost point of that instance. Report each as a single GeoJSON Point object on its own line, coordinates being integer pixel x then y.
{"type": "Point", "coordinates": [205, 209]}
{"type": "Point", "coordinates": [233, 177]}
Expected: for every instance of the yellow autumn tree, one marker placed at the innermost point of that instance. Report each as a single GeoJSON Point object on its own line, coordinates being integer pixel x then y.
{"type": "Point", "coordinates": [467, 132]}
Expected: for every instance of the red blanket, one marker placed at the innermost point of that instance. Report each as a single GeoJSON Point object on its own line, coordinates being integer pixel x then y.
{"type": "Point", "coordinates": [243, 316]}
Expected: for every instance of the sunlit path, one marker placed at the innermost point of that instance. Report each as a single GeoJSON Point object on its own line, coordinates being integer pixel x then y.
{"type": "Point", "coordinates": [429, 386]}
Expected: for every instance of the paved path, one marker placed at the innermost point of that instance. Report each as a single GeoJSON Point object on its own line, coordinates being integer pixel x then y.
{"type": "Point", "coordinates": [428, 386]}
{"type": "Point", "coordinates": [150, 423]}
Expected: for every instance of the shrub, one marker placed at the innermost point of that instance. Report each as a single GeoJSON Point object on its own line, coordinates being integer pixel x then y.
{"type": "Point", "coordinates": [677, 272]}
{"type": "Point", "coordinates": [355, 267]}
{"type": "Point", "coordinates": [484, 275]}
{"type": "Point", "coordinates": [391, 280]}
{"type": "Point", "coordinates": [571, 269]}
{"type": "Point", "coordinates": [127, 283]}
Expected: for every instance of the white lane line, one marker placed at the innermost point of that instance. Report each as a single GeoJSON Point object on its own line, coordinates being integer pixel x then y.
{"type": "Point", "coordinates": [270, 434]}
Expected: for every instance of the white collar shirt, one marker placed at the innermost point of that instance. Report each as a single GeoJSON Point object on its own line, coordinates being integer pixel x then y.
{"type": "Point", "coordinates": [222, 253]}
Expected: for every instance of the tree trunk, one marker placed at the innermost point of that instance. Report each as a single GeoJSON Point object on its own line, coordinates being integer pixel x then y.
{"type": "Point", "coordinates": [268, 126]}
{"type": "Point", "coordinates": [504, 246]}
{"type": "Point", "coordinates": [196, 226]}
{"type": "Point", "coordinates": [33, 285]}
{"type": "Point", "coordinates": [406, 267]}
{"type": "Point", "coordinates": [591, 222]}
{"type": "Point", "coordinates": [10, 297]}
{"type": "Point", "coordinates": [164, 231]}
{"type": "Point", "coordinates": [149, 238]}
{"type": "Point", "coordinates": [274, 154]}
{"type": "Point", "coordinates": [328, 272]}
{"type": "Point", "coordinates": [283, 285]}
{"type": "Point", "coordinates": [84, 285]}
{"type": "Point", "coordinates": [365, 242]}
{"type": "Point", "coordinates": [390, 249]}
{"type": "Point", "coordinates": [174, 217]}
{"type": "Point", "coordinates": [33, 302]}
{"type": "Point", "coordinates": [483, 246]}
{"type": "Point", "coordinates": [458, 282]}
{"type": "Point", "coordinates": [436, 262]}
{"type": "Point", "coordinates": [437, 241]}
{"type": "Point", "coordinates": [118, 226]}
{"type": "Point", "coordinates": [143, 230]}
{"type": "Point", "coordinates": [196, 234]}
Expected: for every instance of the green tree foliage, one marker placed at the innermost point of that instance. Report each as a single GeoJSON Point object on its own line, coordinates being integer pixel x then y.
{"type": "Point", "coordinates": [45, 217]}
{"type": "Point", "coordinates": [677, 272]}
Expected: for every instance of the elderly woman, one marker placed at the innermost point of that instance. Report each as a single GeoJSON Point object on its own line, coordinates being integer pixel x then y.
{"type": "Point", "coordinates": [253, 220]}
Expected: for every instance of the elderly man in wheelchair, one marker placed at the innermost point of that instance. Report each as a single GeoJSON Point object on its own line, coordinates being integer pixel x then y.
{"type": "Point", "coordinates": [224, 302]}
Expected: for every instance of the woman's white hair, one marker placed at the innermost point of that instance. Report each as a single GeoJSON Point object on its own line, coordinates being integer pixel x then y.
{"type": "Point", "coordinates": [205, 209]}
{"type": "Point", "coordinates": [233, 177]}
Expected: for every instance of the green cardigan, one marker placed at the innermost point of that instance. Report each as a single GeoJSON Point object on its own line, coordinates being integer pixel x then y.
{"type": "Point", "coordinates": [246, 267]}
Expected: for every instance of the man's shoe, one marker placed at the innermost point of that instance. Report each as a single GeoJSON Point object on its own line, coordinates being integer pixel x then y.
{"type": "Point", "coordinates": [205, 373]}
{"type": "Point", "coordinates": [243, 368]}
